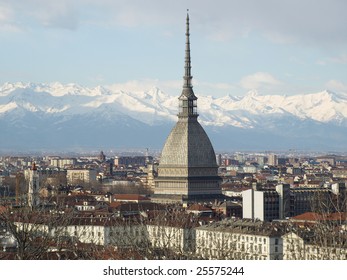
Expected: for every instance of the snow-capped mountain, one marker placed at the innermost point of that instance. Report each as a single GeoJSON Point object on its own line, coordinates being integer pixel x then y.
{"type": "Point", "coordinates": [57, 116]}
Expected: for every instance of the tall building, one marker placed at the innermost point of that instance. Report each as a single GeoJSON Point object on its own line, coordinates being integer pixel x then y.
{"type": "Point", "coordinates": [187, 169]}
{"type": "Point", "coordinates": [81, 176]}
{"type": "Point", "coordinates": [284, 201]}
{"type": "Point", "coordinates": [272, 160]}
{"type": "Point", "coordinates": [34, 186]}
{"type": "Point", "coordinates": [259, 204]}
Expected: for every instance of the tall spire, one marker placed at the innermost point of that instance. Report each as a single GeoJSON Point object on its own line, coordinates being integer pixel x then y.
{"type": "Point", "coordinates": [187, 100]}
{"type": "Point", "coordinates": [187, 73]}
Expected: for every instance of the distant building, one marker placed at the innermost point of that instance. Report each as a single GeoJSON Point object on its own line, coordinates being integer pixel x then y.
{"type": "Point", "coordinates": [136, 161]}
{"type": "Point", "coordinates": [229, 209]}
{"type": "Point", "coordinates": [272, 160]}
{"type": "Point", "coordinates": [78, 176]}
{"type": "Point", "coordinates": [130, 198]}
{"type": "Point", "coordinates": [328, 159]}
{"type": "Point", "coordinates": [284, 201]}
{"type": "Point", "coordinates": [33, 178]}
{"type": "Point", "coordinates": [102, 156]}
{"type": "Point", "coordinates": [261, 160]}
{"type": "Point", "coordinates": [340, 173]}
{"type": "Point", "coordinates": [219, 159]}
{"type": "Point", "coordinates": [62, 162]}
{"type": "Point", "coordinates": [259, 204]}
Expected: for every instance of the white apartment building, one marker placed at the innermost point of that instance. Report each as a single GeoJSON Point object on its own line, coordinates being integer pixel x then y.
{"type": "Point", "coordinates": [238, 239]}
{"type": "Point", "coordinates": [100, 231]}
{"type": "Point", "coordinates": [62, 162]}
{"type": "Point", "coordinates": [76, 176]}
{"type": "Point", "coordinates": [175, 238]}
{"type": "Point", "coordinates": [259, 204]}
{"type": "Point", "coordinates": [305, 245]}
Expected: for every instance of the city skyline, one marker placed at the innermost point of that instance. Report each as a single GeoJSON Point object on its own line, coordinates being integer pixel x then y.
{"type": "Point", "coordinates": [190, 201]}
{"type": "Point", "coordinates": [274, 48]}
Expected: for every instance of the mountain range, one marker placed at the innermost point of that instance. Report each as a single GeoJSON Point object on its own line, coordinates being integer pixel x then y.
{"type": "Point", "coordinates": [68, 116]}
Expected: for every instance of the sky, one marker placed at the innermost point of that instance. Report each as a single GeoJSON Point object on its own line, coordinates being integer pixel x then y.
{"type": "Point", "coordinates": [272, 47]}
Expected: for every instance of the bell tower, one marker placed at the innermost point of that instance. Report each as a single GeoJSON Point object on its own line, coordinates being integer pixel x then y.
{"type": "Point", "coordinates": [34, 186]}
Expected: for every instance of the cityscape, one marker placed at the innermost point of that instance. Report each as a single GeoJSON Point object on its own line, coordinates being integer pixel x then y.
{"type": "Point", "coordinates": [100, 207]}
{"type": "Point", "coordinates": [186, 202]}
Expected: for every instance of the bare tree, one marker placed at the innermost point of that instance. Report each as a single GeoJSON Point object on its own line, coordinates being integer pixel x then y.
{"type": "Point", "coordinates": [323, 233]}
{"type": "Point", "coordinates": [35, 231]}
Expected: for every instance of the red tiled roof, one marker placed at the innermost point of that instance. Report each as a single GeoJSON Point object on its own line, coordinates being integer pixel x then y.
{"type": "Point", "coordinates": [312, 216]}
{"type": "Point", "coordinates": [198, 207]}
{"type": "Point", "coordinates": [2, 209]}
{"type": "Point", "coordinates": [129, 197]}
{"type": "Point", "coordinates": [308, 216]}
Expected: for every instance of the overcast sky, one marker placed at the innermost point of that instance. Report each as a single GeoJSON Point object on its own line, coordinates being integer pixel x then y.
{"type": "Point", "coordinates": [274, 47]}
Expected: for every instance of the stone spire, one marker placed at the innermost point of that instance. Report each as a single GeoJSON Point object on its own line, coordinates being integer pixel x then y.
{"type": "Point", "coordinates": [187, 100]}
{"type": "Point", "coordinates": [187, 66]}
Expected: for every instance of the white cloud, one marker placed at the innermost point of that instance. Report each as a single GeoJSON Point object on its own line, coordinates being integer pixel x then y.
{"type": "Point", "coordinates": [55, 14]}
{"type": "Point", "coordinates": [5, 13]}
{"type": "Point", "coordinates": [7, 19]}
{"type": "Point", "coordinates": [335, 85]}
{"type": "Point", "coordinates": [341, 59]}
{"type": "Point", "coordinates": [259, 80]}
{"type": "Point", "coordinates": [319, 21]}
{"type": "Point", "coordinates": [20, 14]}
{"type": "Point", "coordinates": [280, 38]}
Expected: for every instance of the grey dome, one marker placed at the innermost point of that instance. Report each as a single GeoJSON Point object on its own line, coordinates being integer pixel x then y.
{"type": "Point", "coordinates": [188, 146]}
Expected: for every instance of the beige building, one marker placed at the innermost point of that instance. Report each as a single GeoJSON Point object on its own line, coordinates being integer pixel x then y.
{"type": "Point", "coordinates": [306, 245]}
{"type": "Point", "coordinates": [239, 239]}
{"type": "Point", "coordinates": [62, 162]}
{"type": "Point", "coordinates": [77, 176]}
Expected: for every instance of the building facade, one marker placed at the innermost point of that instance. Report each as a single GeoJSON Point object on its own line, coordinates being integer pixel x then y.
{"type": "Point", "coordinates": [77, 176]}
{"type": "Point", "coordinates": [240, 240]}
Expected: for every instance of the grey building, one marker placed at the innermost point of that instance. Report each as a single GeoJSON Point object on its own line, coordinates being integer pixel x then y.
{"type": "Point", "coordinates": [187, 169]}
{"type": "Point", "coordinates": [260, 204]}
{"type": "Point", "coordinates": [284, 201]}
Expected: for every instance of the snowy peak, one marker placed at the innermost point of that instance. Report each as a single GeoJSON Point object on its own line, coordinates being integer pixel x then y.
{"type": "Point", "coordinates": [154, 106]}
{"type": "Point", "coordinates": [65, 116]}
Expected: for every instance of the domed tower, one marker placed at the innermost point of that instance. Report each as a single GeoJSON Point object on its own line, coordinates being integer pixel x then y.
{"type": "Point", "coordinates": [187, 170]}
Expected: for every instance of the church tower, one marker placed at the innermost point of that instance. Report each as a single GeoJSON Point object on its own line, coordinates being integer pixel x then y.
{"type": "Point", "coordinates": [33, 190]}
{"type": "Point", "coordinates": [187, 170]}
